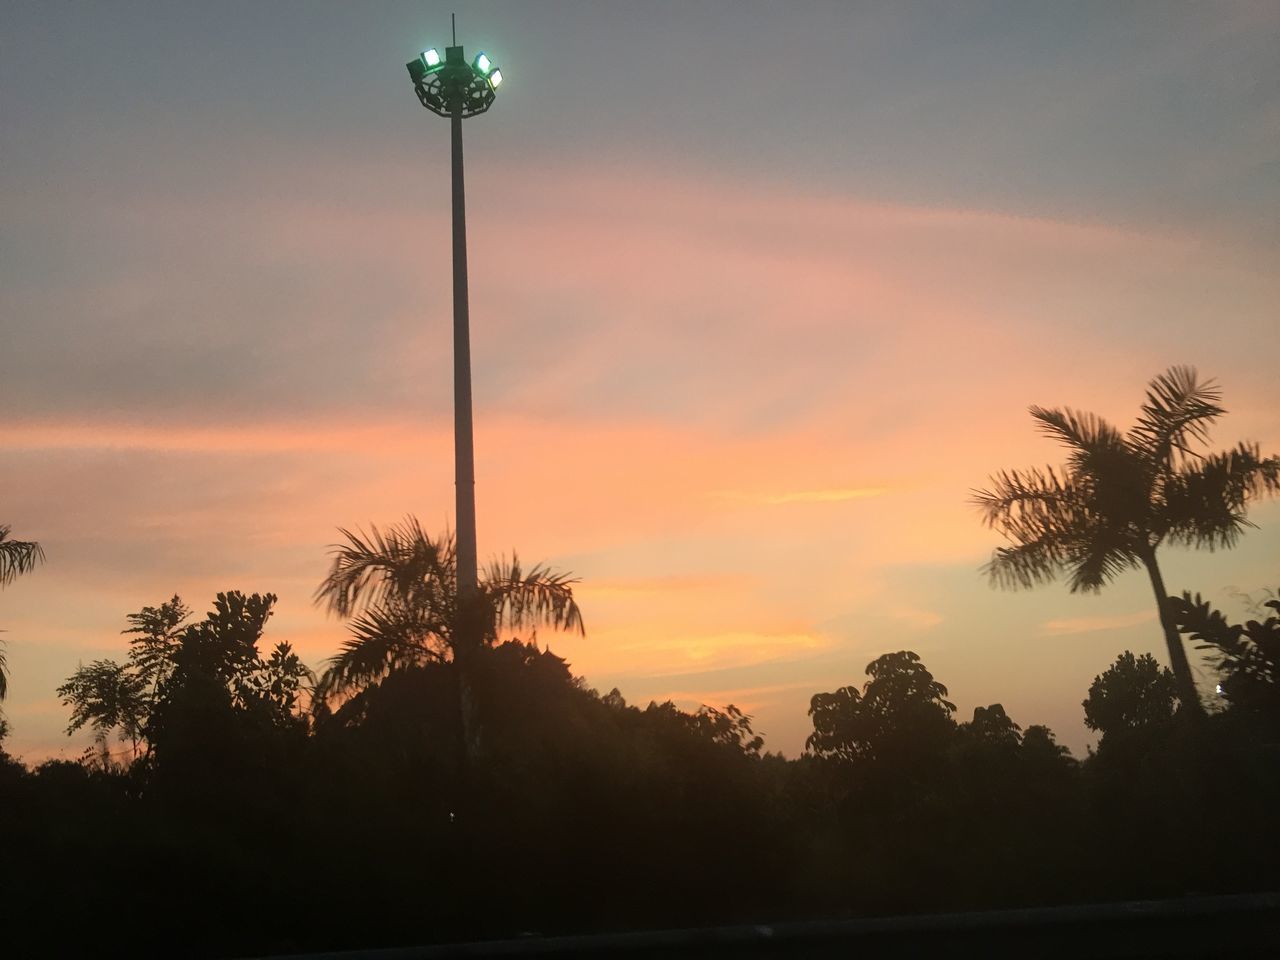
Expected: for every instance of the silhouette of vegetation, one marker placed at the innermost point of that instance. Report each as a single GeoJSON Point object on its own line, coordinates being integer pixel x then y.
{"type": "Point", "coordinates": [401, 588]}
{"type": "Point", "coordinates": [16, 558]}
{"type": "Point", "coordinates": [179, 677]}
{"type": "Point", "coordinates": [1131, 694]}
{"type": "Point", "coordinates": [900, 709]}
{"type": "Point", "coordinates": [1121, 496]}
{"type": "Point", "coordinates": [585, 812]}
{"type": "Point", "coordinates": [251, 808]}
{"type": "Point", "coordinates": [1246, 656]}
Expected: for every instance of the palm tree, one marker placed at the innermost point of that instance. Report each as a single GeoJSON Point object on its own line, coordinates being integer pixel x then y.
{"type": "Point", "coordinates": [16, 558]}
{"type": "Point", "coordinates": [400, 586]}
{"type": "Point", "coordinates": [1121, 496]}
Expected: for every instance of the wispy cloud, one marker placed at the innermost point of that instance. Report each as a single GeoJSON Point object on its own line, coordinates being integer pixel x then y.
{"type": "Point", "coordinates": [633, 586]}
{"type": "Point", "coordinates": [1072, 625]}
{"type": "Point", "coordinates": [620, 651]}
{"type": "Point", "coordinates": [913, 617]}
{"type": "Point", "coordinates": [837, 495]}
{"type": "Point", "coordinates": [746, 699]}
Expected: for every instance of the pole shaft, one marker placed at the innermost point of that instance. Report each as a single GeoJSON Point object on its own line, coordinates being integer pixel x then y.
{"type": "Point", "coordinates": [463, 447]}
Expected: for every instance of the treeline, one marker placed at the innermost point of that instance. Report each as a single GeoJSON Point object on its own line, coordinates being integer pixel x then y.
{"type": "Point", "coordinates": [223, 813]}
{"type": "Point", "coordinates": [441, 780]}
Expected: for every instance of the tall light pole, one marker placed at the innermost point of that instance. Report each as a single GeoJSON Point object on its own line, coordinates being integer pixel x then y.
{"type": "Point", "coordinates": [451, 87]}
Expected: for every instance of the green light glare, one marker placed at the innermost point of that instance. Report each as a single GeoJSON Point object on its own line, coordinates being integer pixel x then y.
{"type": "Point", "coordinates": [431, 57]}
{"type": "Point", "coordinates": [483, 63]}
{"type": "Point", "coordinates": [495, 78]}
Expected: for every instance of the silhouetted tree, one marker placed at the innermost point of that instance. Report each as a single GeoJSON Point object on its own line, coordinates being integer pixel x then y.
{"type": "Point", "coordinates": [900, 707]}
{"type": "Point", "coordinates": [1040, 746]}
{"type": "Point", "coordinates": [401, 588]}
{"type": "Point", "coordinates": [1121, 496]}
{"type": "Point", "coordinates": [1131, 694]}
{"type": "Point", "coordinates": [992, 726]}
{"type": "Point", "coordinates": [169, 664]}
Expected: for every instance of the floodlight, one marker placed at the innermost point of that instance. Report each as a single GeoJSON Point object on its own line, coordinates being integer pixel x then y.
{"type": "Point", "coordinates": [448, 85]}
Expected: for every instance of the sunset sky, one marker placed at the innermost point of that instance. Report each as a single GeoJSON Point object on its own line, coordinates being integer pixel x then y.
{"type": "Point", "coordinates": [759, 293]}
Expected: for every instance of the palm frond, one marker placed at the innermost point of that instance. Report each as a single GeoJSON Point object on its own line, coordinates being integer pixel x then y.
{"type": "Point", "coordinates": [1096, 447]}
{"type": "Point", "coordinates": [4, 673]}
{"type": "Point", "coordinates": [400, 563]}
{"type": "Point", "coordinates": [1095, 562]}
{"type": "Point", "coordinates": [383, 639]}
{"type": "Point", "coordinates": [1028, 505]}
{"type": "Point", "coordinates": [1204, 504]}
{"type": "Point", "coordinates": [1083, 431]}
{"type": "Point", "coordinates": [1026, 564]}
{"type": "Point", "coordinates": [1178, 410]}
{"type": "Point", "coordinates": [540, 597]}
{"type": "Point", "coordinates": [17, 557]}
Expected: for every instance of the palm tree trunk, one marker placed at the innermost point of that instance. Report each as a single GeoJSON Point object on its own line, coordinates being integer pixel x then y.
{"type": "Point", "coordinates": [1177, 653]}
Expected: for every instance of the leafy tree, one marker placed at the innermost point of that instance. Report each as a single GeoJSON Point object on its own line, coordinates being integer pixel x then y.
{"type": "Point", "coordinates": [1131, 694]}
{"type": "Point", "coordinates": [900, 708]}
{"type": "Point", "coordinates": [1121, 496]}
{"type": "Point", "coordinates": [169, 664]}
{"type": "Point", "coordinates": [1247, 656]}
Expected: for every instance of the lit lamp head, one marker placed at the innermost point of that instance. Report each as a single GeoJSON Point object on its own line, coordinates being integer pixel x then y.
{"type": "Point", "coordinates": [451, 86]}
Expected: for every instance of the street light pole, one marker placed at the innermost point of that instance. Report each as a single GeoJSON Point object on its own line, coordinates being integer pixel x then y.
{"type": "Point", "coordinates": [451, 87]}
{"type": "Point", "coordinates": [463, 444]}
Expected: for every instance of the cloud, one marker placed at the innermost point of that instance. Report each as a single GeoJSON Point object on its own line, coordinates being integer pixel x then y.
{"type": "Point", "coordinates": [804, 496]}
{"type": "Point", "coordinates": [667, 370]}
{"type": "Point", "coordinates": [745, 699]}
{"type": "Point", "coordinates": [1074, 625]}
{"type": "Point", "coordinates": [602, 587]}
{"type": "Point", "coordinates": [910, 616]}
{"type": "Point", "coordinates": [618, 651]}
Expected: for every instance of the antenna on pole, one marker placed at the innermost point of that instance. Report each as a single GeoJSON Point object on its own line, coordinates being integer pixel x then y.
{"type": "Point", "coordinates": [453, 21]}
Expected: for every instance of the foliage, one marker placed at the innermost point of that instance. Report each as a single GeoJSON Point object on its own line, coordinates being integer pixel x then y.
{"type": "Point", "coordinates": [993, 727]}
{"type": "Point", "coordinates": [107, 697]}
{"type": "Point", "coordinates": [170, 665]}
{"type": "Point", "coordinates": [1131, 694]}
{"type": "Point", "coordinates": [1039, 742]}
{"type": "Point", "coordinates": [16, 558]}
{"type": "Point", "coordinates": [400, 587]}
{"type": "Point", "coordinates": [901, 704]}
{"type": "Point", "coordinates": [154, 636]}
{"type": "Point", "coordinates": [1247, 656]}
{"type": "Point", "coordinates": [576, 815]}
{"type": "Point", "coordinates": [1120, 496]}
